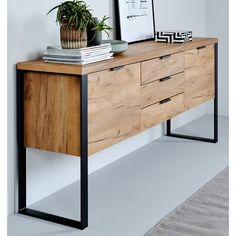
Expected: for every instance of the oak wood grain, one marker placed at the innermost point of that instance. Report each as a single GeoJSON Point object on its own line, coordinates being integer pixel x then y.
{"type": "Point", "coordinates": [136, 53]}
{"type": "Point", "coordinates": [158, 90]}
{"type": "Point", "coordinates": [157, 113]}
{"type": "Point", "coordinates": [198, 56]}
{"type": "Point", "coordinates": [199, 76]}
{"type": "Point", "coordinates": [52, 112]}
{"type": "Point", "coordinates": [158, 68]}
{"type": "Point", "coordinates": [114, 106]}
{"type": "Point", "coordinates": [121, 102]}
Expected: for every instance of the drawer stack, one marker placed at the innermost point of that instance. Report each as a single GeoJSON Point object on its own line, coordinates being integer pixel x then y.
{"type": "Point", "coordinates": [162, 89]}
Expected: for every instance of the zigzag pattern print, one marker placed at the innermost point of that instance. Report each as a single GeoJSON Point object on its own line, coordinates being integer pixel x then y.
{"type": "Point", "coordinates": [173, 37]}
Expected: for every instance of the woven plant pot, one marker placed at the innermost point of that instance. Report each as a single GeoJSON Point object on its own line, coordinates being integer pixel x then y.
{"type": "Point", "coordinates": [72, 38]}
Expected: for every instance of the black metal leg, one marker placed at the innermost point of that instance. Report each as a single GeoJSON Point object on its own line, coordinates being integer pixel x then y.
{"type": "Point", "coordinates": [21, 157]}
{"type": "Point", "coordinates": [84, 150]}
{"type": "Point", "coordinates": [215, 139]}
{"type": "Point", "coordinates": [216, 96]}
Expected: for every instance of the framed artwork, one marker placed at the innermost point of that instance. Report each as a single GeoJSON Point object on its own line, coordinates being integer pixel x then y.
{"type": "Point", "coordinates": [135, 20]}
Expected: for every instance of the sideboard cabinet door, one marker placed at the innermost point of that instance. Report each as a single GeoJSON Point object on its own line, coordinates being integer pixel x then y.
{"type": "Point", "coordinates": [199, 76]}
{"type": "Point", "coordinates": [52, 112]}
{"type": "Point", "coordinates": [113, 106]}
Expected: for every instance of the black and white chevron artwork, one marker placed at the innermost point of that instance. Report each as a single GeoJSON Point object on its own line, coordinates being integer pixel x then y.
{"type": "Point", "coordinates": [173, 36]}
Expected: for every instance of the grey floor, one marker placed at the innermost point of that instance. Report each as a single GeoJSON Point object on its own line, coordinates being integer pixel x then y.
{"type": "Point", "coordinates": [128, 197]}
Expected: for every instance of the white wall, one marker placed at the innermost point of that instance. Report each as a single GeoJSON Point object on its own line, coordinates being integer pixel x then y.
{"type": "Point", "coordinates": [29, 32]}
{"type": "Point", "coordinates": [181, 15]}
{"type": "Point", "coordinates": [217, 25]}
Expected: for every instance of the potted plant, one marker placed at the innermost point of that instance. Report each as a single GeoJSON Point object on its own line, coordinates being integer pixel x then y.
{"type": "Point", "coordinates": [73, 17]}
{"type": "Point", "coordinates": [95, 30]}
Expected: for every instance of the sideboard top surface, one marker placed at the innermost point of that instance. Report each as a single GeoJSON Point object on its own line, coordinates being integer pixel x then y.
{"type": "Point", "coordinates": [136, 53]}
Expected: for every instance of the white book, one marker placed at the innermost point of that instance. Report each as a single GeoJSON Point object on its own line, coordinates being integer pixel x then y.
{"type": "Point", "coordinates": [88, 59]}
{"type": "Point", "coordinates": [74, 55]}
{"type": "Point", "coordinates": [78, 63]}
{"type": "Point", "coordinates": [109, 55]}
{"type": "Point", "coordinates": [80, 51]}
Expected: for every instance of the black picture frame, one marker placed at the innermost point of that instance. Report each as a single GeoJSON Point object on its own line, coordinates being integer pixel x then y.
{"type": "Point", "coordinates": [118, 23]}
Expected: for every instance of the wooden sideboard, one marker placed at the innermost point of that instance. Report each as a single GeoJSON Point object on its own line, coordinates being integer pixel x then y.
{"type": "Point", "coordinates": [81, 110]}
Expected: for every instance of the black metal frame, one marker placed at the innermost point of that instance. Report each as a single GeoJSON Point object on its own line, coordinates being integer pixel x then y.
{"type": "Point", "coordinates": [210, 140]}
{"type": "Point", "coordinates": [21, 157]}
{"type": "Point", "coordinates": [118, 24]}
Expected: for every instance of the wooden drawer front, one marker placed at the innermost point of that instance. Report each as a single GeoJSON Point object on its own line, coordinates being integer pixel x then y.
{"type": "Point", "coordinates": [198, 56]}
{"type": "Point", "coordinates": [162, 89]}
{"type": "Point", "coordinates": [114, 106]}
{"type": "Point", "coordinates": [199, 78]}
{"type": "Point", "coordinates": [161, 67]}
{"type": "Point", "coordinates": [160, 112]}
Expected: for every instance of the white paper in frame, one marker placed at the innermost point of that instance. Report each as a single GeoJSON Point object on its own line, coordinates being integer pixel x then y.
{"type": "Point", "coordinates": [135, 20]}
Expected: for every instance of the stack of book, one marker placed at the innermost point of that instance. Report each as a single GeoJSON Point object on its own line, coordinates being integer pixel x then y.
{"type": "Point", "coordinates": [80, 56]}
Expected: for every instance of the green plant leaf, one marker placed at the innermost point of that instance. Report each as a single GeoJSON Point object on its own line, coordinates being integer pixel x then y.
{"type": "Point", "coordinates": [76, 14]}
{"type": "Point", "coordinates": [53, 9]}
